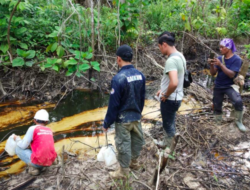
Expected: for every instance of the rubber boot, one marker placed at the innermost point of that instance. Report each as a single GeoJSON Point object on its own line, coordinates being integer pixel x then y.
{"type": "Point", "coordinates": [134, 164]}
{"type": "Point", "coordinates": [34, 171]}
{"type": "Point", "coordinates": [166, 142]}
{"type": "Point", "coordinates": [218, 119]}
{"type": "Point", "coordinates": [56, 161]}
{"type": "Point", "coordinates": [239, 116]}
{"type": "Point", "coordinates": [120, 173]}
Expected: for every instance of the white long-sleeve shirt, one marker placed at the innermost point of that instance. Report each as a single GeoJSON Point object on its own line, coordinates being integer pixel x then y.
{"type": "Point", "coordinates": [25, 142]}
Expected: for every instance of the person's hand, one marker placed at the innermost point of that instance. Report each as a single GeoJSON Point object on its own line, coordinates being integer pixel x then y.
{"type": "Point", "coordinates": [104, 129]}
{"type": "Point", "coordinates": [216, 62]}
{"type": "Point", "coordinates": [15, 137]}
{"type": "Point", "coordinates": [210, 61]}
{"type": "Point", "coordinates": [163, 98]}
{"type": "Point", "coordinates": [158, 92]}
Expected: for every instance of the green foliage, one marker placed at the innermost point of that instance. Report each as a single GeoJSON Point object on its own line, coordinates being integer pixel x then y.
{"type": "Point", "coordinates": [207, 18]}
{"type": "Point", "coordinates": [165, 15]}
{"type": "Point", "coordinates": [37, 25]}
{"type": "Point", "coordinates": [247, 53]}
{"type": "Point", "coordinates": [49, 36]}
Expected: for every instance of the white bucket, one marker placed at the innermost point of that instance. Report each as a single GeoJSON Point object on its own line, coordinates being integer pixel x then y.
{"type": "Point", "coordinates": [107, 154]}
{"type": "Point", "coordinates": [10, 146]}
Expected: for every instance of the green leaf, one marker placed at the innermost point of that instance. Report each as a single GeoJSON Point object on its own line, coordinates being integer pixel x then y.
{"type": "Point", "coordinates": [89, 56]}
{"type": "Point", "coordinates": [21, 6]}
{"type": "Point", "coordinates": [77, 54]}
{"type": "Point", "coordinates": [31, 53]}
{"type": "Point", "coordinates": [4, 47]}
{"type": "Point", "coordinates": [92, 79]}
{"type": "Point", "coordinates": [49, 48]}
{"type": "Point", "coordinates": [84, 54]}
{"type": "Point", "coordinates": [187, 26]}
{"type": "Point", "coordinates": [57, 28]}
{"type": "Point", "coordinates": [47, 65]}
{"type": "Point", "coordinates": [42, 68]}
{"type": "Point", "coordinates": [21, 52]}
{"type": "Point", "coordinates": [29, 63]}
{"type": "Point", "coordinates": [75, 45]}
{"type": "Point", "coordinates": [84, 67]}
{"type": "Point", "coordinates": [51, 61]}
{"type": "Point", "coordinates": [56, 68]}
{"type": "Point", "coordinates": [60, 51]}
{"type": "Point", "coordinates": [18, 62]}
{"type": "Point", "coordinates": [79, 74]}
{"type": "Point", "coordinates": [215, 178]}
{"type": "Point", "coordinates": [171, 157]}
{"type": "Point", "coordinates": [90, 49]}
{"type": "Point", "coordinates": [21, 30]}
{"type": "Point", "coordinates": [54, 46]}
{"type": "Point", "coordinates": [59, 61]}
{"type": "Point", "coordinates": [94, 63]}
{"type": "Point", "coordinates": [221, 30]}
{"type": "Point", "coordinates": [53, 34]}
{"type": "Point", "coordinates": [97, 68]}
{"type": "Point", "coordinates": [23, 45]}
{"type": "Point", "coordinates": [69, 73]}
{"type": "Point", "coordinates": [70, 62]}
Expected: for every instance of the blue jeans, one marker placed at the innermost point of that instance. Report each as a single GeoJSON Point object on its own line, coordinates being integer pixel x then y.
{"type": "Point", "coordinates": [168, 112]}
{"type": "Point", "coordinates": [25, 155]}
{"type": "Point", "coordinates": [232, 95]}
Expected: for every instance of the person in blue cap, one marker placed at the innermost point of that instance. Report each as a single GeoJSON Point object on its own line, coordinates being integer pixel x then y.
{"type": "Point", "coordinates": [126, 103]}
{"type": "Point", "coordinates": [227, 68]}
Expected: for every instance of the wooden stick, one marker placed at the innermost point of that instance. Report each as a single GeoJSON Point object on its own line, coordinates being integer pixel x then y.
{"type": "Point", "coordinates": [158, 172]}
{"type": "Point", "coordinates": [62, 161]}
{"type": "Point", "coordinates": [24, 184]}
{"type": "Point", "coordinates": [202, 170]}
{"type": "Point", "coordinates": [142, 184]}
{"type": "Point", "coordinates": [163, 163]}
{"type": "Point", "coordinates": [154, 62]}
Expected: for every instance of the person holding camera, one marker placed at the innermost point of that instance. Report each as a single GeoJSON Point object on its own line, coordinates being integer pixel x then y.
{"type": "Point", "coordinates": [227, 68]}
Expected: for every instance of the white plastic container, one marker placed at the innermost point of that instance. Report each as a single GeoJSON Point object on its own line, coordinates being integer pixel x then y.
{"type": "Point", "coordinates": [100, 155]}
{"type": "Point", "coordinates": [10, 146]}
{"type": "Point", "coordinates": [107, 154]}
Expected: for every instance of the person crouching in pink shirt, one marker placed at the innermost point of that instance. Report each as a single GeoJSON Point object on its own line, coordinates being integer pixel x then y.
{"type": "Point", "coordinates": [40, 138]}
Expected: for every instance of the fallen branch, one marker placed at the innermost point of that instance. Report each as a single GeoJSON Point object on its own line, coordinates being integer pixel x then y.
{"type": "Point", "coordinates": [2, 89]}
{"type": "Point", "coordinates": [154, 62]}
{"type": "Point", "coordinates": [202, 170]}
{"type": "Point", "coordinates": [142, 184]}
{"type": "Point", "coordinates": [158, 172]}
{"type": "Point", "coordinates": [76, 141]}
{"type": "Point", "coordinates": [21, 185]}
{"type": "Point", "coordinates": [199, 41]}
{"type": "Point", "coordinates": [70, 153]}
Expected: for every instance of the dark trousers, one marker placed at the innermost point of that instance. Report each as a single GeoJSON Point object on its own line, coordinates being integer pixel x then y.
{"type": "Point", "coordinates": [232, 95]}
{"type": "Point", "coordinates": [168, 112]}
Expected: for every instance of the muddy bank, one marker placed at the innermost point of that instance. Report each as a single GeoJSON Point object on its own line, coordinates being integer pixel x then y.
{"type": "Point", "coordinates": [32, 83]}
{"type": "Point", "coordinates": [207, 156]}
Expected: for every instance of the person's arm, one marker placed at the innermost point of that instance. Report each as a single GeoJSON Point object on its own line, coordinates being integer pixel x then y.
{"type": "Point", "coordinates": [223, 67]}
{"type": "Point", "coordinates": [23, 144]}
{"type": "Point", "coordinates": [213, 69]}
{"type": "Point", "coordinates": [173, 77]}
{"type": "Point", "coordinates": [143, 91]}
{"type": "Point", "coordinates": [114, 104]}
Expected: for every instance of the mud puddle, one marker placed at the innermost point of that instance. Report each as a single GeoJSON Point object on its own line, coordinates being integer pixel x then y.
{"type": "Point", "coordinates": [76, 124]}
